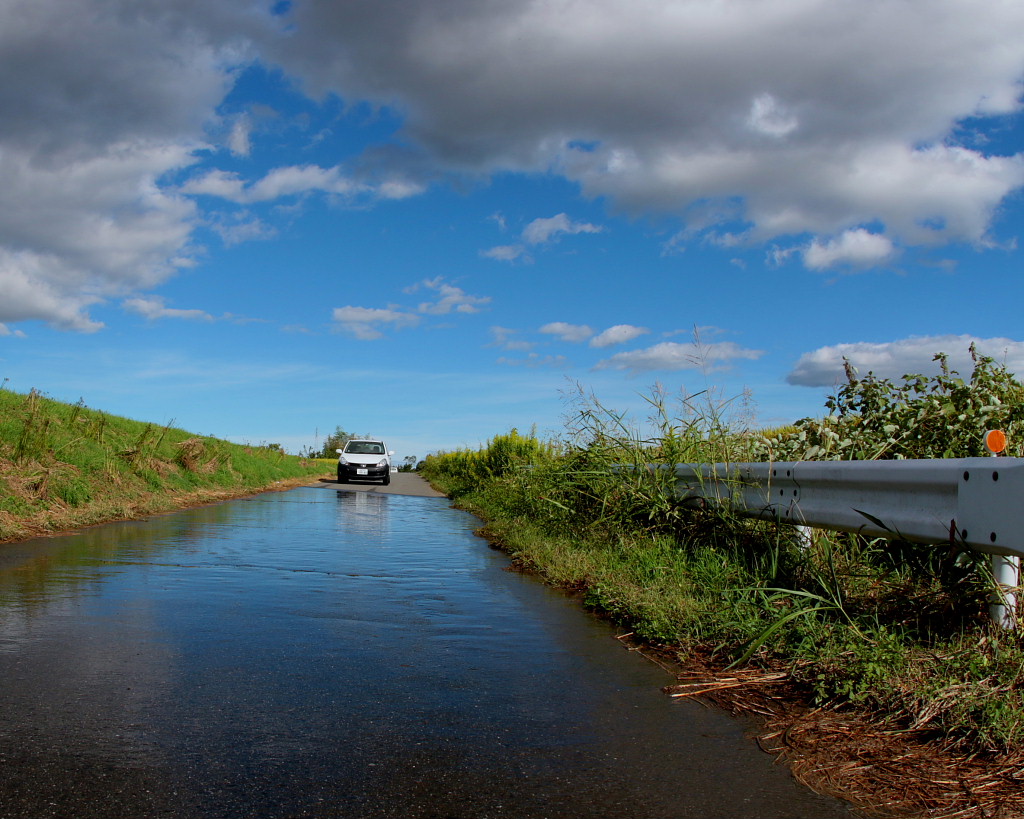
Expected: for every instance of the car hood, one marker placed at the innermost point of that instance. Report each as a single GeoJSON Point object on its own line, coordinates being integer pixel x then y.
{"type": "Point", "coordinates": [362, 459]}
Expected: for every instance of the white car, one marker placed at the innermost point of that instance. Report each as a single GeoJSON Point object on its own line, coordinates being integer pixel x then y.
{"type": "Point", "coordinates": [365, 459]}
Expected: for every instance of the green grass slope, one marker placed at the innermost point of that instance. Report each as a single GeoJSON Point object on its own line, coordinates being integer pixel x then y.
{"type": "Point", "coordinates": [63, 466]}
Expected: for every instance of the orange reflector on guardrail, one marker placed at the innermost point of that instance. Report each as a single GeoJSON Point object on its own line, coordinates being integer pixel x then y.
{"type": "Point", "coordinates": [995, 441]}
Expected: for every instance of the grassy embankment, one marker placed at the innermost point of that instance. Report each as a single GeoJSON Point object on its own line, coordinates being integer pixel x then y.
{"type": "Point", "coordinates": [893, 632]}
{"type": "Point", "coordinates": [63, 466]}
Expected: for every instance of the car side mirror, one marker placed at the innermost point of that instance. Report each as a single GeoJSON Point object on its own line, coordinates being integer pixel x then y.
{"type": "Point", "coordinates": [392, 452]}
{"type": "Point", "coordinates": [339, 451]}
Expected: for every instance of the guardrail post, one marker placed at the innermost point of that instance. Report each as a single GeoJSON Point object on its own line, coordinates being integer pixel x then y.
{"type": "Point", "coordinates": [1006, 573]}
{"type": "Point", "coordinates": [1005, 568]}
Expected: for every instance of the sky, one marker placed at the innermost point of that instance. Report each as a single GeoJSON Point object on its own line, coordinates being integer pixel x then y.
{"type": "Point", "coordinates": [436, 220]}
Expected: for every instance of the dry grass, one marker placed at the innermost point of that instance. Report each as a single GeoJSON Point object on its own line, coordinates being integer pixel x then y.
{"type": "Point", "coordinates": [884, 770]}
{"type": "Point", "coordinates": [63, 466]}
{"type": "Point", "coordinates": [59, 518]}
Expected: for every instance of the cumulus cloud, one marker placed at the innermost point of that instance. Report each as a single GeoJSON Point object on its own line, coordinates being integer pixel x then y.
{"type": "Point", "coordinates": [7, 331]}
{"type": "Point", "coordinates": [795, 118]}
{"type": "Point", "coordinates": [540, 231]}
{"type": "Point", "coordinates": [768, 117]}
{"type": "Point", "coordinates": [238, 139]}
{"type": "Point", "coordinates": [452, 298]}
{"type": "Point", "coordinates": [85, 228]}
{"type": "Point", "coordinates": [365, 322]}
{"type": "Point", "coordinates": [505, 253]}
{"type": "Point", "coordinates": [671, 355]}
{"type": "Point", "coordinates": [102, 102]}
{"type": "Point", "coordinates": [619, 334]}
{"type": "Point", "coordinates": [236, 228]}
{"type": "Point", "coordinates": [893, 359]}
{"type": "Point", "coordinates": [155, 308]}
{"type": "Point", "coordinates": [568, 332]}
{"type": "Point", "coordinates": [808, 116]}
{"type": "Point", "coordinates": [296, 180]}
{"type": "Point", "coordinates": [38, 286]}
{"type": "Point", "coordinates": [857, 248]}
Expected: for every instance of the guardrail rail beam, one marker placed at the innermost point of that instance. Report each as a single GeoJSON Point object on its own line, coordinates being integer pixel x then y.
{"type": "Point", "coordinates": [978, 502]}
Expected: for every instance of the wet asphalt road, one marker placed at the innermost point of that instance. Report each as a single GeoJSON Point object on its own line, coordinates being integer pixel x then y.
{"type": "Point", "coordinates": [402, 483]}
{"type": "Point", "coordinates": [339, 651]}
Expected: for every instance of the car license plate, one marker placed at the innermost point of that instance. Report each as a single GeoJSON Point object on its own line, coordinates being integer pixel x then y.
{"type": "Point", "coordinates": [361, 472]}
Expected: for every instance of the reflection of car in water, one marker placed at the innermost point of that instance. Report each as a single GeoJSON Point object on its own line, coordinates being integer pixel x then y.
{"type": "Point", "coordinates": [364, 516]}
{"type": "Point", "coordinates": [365, 459]}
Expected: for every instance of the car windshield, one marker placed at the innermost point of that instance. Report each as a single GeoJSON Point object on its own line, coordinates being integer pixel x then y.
{"type": "Point", "coordinates": [364, 448]}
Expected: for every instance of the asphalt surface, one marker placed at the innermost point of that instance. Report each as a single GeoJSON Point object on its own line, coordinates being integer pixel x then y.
{"type": "Point", "coordinates": [341, 651]}
{"type": "Point", "coordinates": [402, 483]}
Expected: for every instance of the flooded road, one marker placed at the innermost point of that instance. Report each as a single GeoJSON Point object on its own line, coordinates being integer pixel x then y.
{"type": "Point", "coordinates": [337, 652]}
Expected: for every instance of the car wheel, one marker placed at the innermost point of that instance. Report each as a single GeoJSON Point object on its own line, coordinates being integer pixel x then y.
{"type": "Point", "coordinates": [341, 478]}
{"type": "Point", "coordinates": [387, 480]}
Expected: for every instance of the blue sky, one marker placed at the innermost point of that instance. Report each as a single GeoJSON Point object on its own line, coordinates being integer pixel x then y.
{"type": "Point", "coordinates": [431, 221]}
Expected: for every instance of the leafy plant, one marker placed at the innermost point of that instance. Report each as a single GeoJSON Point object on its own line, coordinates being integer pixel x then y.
{"type": "Point", "coordinates": [938, 416]}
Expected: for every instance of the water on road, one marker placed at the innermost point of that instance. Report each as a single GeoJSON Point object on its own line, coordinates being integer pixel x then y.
{"type": "Point", "coordinates": [333, 652]}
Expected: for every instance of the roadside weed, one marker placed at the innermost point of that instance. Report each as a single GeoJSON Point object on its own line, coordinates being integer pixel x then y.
{"type": "Point", "coordinates": [878, 624]}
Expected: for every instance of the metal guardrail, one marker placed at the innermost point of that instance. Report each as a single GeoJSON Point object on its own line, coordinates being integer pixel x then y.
{"type": "Point", "coordinates": [977, 502]}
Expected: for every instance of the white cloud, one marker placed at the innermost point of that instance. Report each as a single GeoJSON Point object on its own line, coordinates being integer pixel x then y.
{"type": "Point", "coordinates": [155, 308]}
{"type": "Point", "coordinates": [671, 355]}
{"type": "Point", "coordinates": [398, 188]}
{"type": "Point", "coordinates": [619, 334]}
{"type": "Point", "coordinates": [857, 248]}
{"type": "Point", "coordinates": [35, 286]}
{"type": "Point", "coordinates": [769, 117]}
{"type": "Point", "coordinates": [505, 339]}
{"type": "Point", "coordinates": [108, 99]}
{"type": "Point", "coordinates": [453, 299]}
{"type": "Point", "coordinates": [236, 228]}
{"type": "Point", "coordinates": [222, 184]}
{"type": "Point", "coordinates": [7, 331]}
{"type": "Point", "coordinates": [238, 140]}
{"type": "Point", "coordinates": [365, 322]}
{"type": "Point", "coordinates": [824, 367]}
{"type": "Point", "coordinates": [540, 231]}
{"type": "Point", "coordinates": [568, 332]}
{"type": "Point", "coordinates": [809, 116]}
{"type": "Point", "coordinates": [291, 180]}
{"type": "Point", "coordinates": [297, 180]}
{"type": "Point", "coordinates": [505, 253]}
{"type": "Point", "coordinates": [83, 228]}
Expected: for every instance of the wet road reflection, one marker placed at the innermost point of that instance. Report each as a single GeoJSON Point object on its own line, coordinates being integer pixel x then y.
{"type": "Point", "coordinates": [330, 653]}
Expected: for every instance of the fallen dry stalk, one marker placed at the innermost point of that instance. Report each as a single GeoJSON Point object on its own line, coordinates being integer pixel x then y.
{"type": "Point", "coordinates": [882, 769]}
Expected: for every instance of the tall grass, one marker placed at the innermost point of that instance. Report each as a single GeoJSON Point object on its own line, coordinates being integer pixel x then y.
{"type": "Point", "coordinates": [901, 629]}
{"type": "Point", "coordinates": [66, 464]}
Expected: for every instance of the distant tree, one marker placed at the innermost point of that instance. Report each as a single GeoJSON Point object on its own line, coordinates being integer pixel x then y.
{"type": "Point", "coordinates": [409, 465]}
{"type": "Point", "coordinates": [336, 441]}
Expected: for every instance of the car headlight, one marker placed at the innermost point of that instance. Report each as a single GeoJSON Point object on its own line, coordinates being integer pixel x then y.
{"type": "Point", "coordinates": [342, 460]}
{"type": "Point", "coordinates": [382, 462]}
